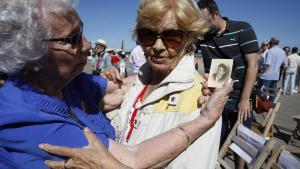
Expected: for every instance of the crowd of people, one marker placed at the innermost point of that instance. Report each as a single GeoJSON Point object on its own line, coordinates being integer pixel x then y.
{"type": "Point", "coordinates": [128, 63]}
{"type": "Point", "coordinates": [148, 108]}
{"type": "Point", "coordinates": [279, 64]}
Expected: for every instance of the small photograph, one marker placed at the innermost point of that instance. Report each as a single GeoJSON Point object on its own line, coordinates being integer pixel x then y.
{"type": "Point", "coordinates": [220, 72]}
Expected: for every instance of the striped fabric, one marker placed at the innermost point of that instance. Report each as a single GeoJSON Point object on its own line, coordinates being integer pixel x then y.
{"type": "Point", "coordinates": [237, 40]}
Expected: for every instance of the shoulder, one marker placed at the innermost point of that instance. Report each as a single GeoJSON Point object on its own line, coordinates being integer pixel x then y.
{"type": "Point", "coordinates": [88, 83]}
{"type": "Point", "coordinates": [86, 78]}
{"type": "Point", "coordinates": [106, 54]}
{"type": "Point", "coordinates": [239, 25]}
{"type": "Point", "coordinates": [185, 101]}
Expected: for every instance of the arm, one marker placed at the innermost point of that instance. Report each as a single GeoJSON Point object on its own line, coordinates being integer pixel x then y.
{"type": "Point", "coordinates": [92, 156]}
{"type": "Point", "coordinates": [251, 73]}
{"type": "Point", "coordinates": [114, 93]}
{"type": "Point", "coordinates": [115, 90]}
{"type": "Point", "coordinates": [107, 60]}
{"type": "Point", "coordinates": [266, 67]}
{"type": "Point", "coordinates": [267, 62]}
{"type": "Point", "coordinates": [168, 145]}
{"type": "Point", "coordinates": [154, 151]}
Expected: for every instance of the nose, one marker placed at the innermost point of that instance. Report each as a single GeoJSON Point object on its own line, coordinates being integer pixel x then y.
{"type": "Point", "coordinates": [159, 45]}
{"type": "Point", "coordinates": [86, 45]}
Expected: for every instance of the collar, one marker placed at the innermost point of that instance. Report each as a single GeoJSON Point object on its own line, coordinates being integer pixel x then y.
{"type": "Point", "coordinates": [182, 77]}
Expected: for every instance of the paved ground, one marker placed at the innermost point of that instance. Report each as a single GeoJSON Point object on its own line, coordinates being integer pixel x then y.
{"type": "Point", "coordinates": [290, 107]}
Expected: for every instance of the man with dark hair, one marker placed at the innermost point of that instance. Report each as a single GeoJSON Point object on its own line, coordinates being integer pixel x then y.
{"type": "Point", "coordinates": [286, 50]}
{"type": "Point", "coordinates": [275, 59]}
{"type": "Point", "coordinates": [231, 40]}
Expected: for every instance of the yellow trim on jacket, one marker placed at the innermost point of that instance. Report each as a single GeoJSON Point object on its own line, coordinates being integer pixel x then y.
{"type": "Point", "coordinates": [181, 101]}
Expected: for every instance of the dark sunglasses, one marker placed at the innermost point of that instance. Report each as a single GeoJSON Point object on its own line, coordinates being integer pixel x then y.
{"type": "Point", "coordinates": [266, 44]}
{"type": "Point", "coordinates": [74, 39]}
{"type": "Point", "coordinates": [100, 47]}
{"type": "Point", "coordinates": [172, 38]}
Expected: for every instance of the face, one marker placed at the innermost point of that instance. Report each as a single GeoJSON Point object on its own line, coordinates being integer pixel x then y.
{"type": "Point", "coordinates": [162, 44]}
{"type": "Point", "coordinates": [287, 51]}
{"type": "Point", "coordinates": [265, 45]}
{"type": "Point", "coordinates": [99, 48]}
{"type": "Point", "coordinates": [212, 20]}
{"type": "Point", "coordinates": [66, 57]}
{"type": "Point", "coordinates": [221, 71]}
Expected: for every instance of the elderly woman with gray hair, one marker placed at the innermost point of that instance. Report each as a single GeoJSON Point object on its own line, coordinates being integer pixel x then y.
{"type": "Point", "coordinates": [47, 98]}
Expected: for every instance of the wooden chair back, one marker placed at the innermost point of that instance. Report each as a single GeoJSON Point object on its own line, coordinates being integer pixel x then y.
{"type": "Point", "coordinates": [283, 156]}
{"type": "Point", "coordinates": [265, 128]}
{"type": "Point", "coordinates": [237, 142]}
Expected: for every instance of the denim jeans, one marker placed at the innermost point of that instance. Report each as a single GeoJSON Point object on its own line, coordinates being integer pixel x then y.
{"type": "Point", "coordinates": [272, 84]}
{"type": "Point", "coordinates": [229, 117]}
{"type": "Point", "coordinates": [289, 74]}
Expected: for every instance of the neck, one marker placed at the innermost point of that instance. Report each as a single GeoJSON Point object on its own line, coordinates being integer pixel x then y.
{"type": "Point", "coordinates": [157, 77]}
{"type": "Point", "coordinates": [46, 85]}
{"type": "Point", "coordinates": [222, 24]}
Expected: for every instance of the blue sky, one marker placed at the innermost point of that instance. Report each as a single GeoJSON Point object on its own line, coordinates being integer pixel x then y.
{"type": "Point", "coordinates": [114, 20]}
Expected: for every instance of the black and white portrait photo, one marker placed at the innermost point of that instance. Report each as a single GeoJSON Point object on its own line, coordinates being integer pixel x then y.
{"type": "Point", "coordinates": [220, 72]}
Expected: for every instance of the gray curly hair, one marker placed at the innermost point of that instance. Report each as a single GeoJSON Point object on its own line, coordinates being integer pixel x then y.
{"type": "Point", "coordinates": [23, 24]}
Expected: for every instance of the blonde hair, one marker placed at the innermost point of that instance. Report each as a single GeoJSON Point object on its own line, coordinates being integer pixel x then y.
{"type": "Point", "coordinates": [187, 15]}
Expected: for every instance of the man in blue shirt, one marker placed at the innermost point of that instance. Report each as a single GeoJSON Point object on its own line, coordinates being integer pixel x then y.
{"type": "Point", "coordinates": [275, 58]}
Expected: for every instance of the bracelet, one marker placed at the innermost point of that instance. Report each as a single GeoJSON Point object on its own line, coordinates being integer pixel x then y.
{"type": "Point", "coordinates": [186, 136]}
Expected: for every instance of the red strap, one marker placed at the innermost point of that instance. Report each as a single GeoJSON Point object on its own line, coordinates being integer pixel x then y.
{"type": "Point", "coordinates": [134, 113]}
{"type": "Point", "coordinates": [98, 61]}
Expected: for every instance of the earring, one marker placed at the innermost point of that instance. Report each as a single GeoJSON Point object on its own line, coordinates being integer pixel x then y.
{"type": "Point", "coordinates": [36, 69]}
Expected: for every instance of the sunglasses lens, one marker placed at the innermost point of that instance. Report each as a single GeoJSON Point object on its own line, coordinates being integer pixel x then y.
{"type": "Point", "coordinates": [172, 38]}
{"type": "Point", "coordinates": [146, 37]}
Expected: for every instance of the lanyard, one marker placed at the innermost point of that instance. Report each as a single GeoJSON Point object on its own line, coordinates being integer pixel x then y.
{"type": "Point", "coordinates": [134, 110]}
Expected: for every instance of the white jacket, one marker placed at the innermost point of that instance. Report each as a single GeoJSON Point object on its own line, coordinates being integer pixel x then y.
{"type": "Point", "coordinates": [174, 101]}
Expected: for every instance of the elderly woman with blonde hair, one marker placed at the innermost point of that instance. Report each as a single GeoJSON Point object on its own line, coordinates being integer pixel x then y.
{"type": "Point", "coordinates": [161, 114]}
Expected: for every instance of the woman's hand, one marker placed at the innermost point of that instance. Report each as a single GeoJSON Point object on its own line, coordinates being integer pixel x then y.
{"type": "Point", "coordinates": [213, 105]}
{"type": "Point", "coordinates": [112, 74]}
{"type": "Point", "coordinates": [93, 156]}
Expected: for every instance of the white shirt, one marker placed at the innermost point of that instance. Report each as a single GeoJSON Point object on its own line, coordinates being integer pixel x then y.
{"type": "Point", "coordinates": [293, 61]}
{"type": "Point", "coordinates": [137, 58]}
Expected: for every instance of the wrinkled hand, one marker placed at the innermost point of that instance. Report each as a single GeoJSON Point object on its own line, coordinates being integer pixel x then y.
{"type": "Point", "coordinates": [112, 74]}
{"type": "Point", "coordinates": [214, 104]}
{"type": "Point", "coordinates": [244, 110]}
{"type": "Point", "coordinates": [93, 156]}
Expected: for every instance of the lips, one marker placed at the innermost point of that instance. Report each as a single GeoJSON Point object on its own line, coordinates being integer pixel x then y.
{"type": "Point", "coordinates": [158, 59]}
